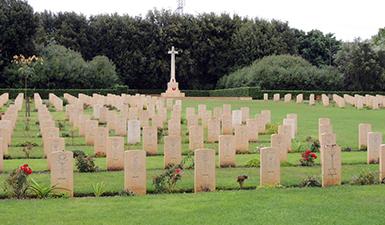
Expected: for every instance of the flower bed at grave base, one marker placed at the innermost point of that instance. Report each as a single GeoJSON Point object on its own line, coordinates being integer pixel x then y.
{"type": "Point", "coordinates": [253, 92]}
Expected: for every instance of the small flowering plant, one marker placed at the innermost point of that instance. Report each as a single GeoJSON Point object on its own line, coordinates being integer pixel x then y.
{"type": "Point", "coordinates": [166, 181]}
{"type": "Point", "coordinates": [308, 158]}
{"type": "Point", "coordinates": [17, 183]}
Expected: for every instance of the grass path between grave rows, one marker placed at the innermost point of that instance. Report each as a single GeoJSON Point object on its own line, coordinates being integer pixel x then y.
{"type": "Point", "coordinates": [336, 205]}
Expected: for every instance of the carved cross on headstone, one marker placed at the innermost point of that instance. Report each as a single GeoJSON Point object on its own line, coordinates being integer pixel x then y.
{"type": "Point", "coordinates": [227, 152]}
{"type": "Point", "coordinates": [135, 167]}
{"type": "Point", "coordinates": [205, 172]}
{"type": "Point", "coordinates": [172, 52]}
{"type": "Point", "coordinates": [115, 147]}
{"type": "Point", "coordinates": [331, 148]}
{"type": "Point", "coordinates": [271, 158]}
{"type": "Point", "coordinates": [173, 151]}
{"type": "Point", "coordinates": [62, 161]}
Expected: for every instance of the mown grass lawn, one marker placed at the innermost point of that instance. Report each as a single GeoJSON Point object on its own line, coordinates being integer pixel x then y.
{"type": "Point", "coordinates": [337, 205]}
{"type": "Point", "coordinates": [290, 205]}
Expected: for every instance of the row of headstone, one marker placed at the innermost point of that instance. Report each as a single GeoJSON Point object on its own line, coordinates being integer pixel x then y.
{"type": "Point", "coordinates": [325, 100]}
{"type": "Point", "coordinates": [288, 97]}
{"type": "Point", "coordinates": [359, 101]}
{"type": "Point", "coordinates": [286, 132]}
{"type": "Point", "coordinates": [371, 141]}
{"type": "Point", "coordinates": [60, 162]}
{"type": "Point", "coordinates": [204, 175]}
{"type": "Point", "coordinates": [52, 142]}
{"type": "Point", "coordinates": [224, 121]}
{"type": "Point", "coordinates": [113, 147]}
{"type": "Point", "coordinates": [340, 101]}
{"type": "Point", "coordinates": [330, 154]}
{"type": "Point", "coordinates": [3, 99]}
{"type": "Point", "coordinates": [135, 174]}
{"type": "Point", "coordinates": [151, 111]}
{"type": "Point", "coordinates": [8, 124]}
{"type": "Point", "coordinates": [349, 99]}
{"type": "Point", "coordinates": [56, 102]}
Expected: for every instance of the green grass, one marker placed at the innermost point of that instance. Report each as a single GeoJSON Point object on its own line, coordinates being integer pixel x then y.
{"type": "Point", "coordinates": [225, 178]}
{"type": "Point", "coordinates": [339, 205]}
{"type": "Point", "coordinates": [156, 162]}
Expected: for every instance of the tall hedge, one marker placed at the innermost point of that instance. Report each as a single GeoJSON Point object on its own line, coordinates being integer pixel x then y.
{"type": "Point", "coordinates": [284, 72]}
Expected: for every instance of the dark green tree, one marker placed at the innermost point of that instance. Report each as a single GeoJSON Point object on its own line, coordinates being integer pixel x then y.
{"type": "Point", "coordinates": [258, 38]}
{"type": "Point", "coordinates": [68, 29]}
{"type": "Point", "coordinates": [17, 30]}
{"type": "Point", "coordinates": [318, 48]}
{"type": "Point", "coordinates": [361, 66]}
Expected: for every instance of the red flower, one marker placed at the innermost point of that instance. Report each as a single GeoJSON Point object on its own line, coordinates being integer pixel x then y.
{"type": "Point", "coordinates": [25, 168]}
{"type": "Point", "coordinates": [313, 155]}
{"type": "Point", "coordinates": [178, 171]}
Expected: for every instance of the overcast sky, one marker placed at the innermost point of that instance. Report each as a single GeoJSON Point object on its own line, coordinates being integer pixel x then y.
{"type": "Point", "coordinates": [347, 19]}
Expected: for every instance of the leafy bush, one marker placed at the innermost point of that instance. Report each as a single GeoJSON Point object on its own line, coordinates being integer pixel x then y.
{"type": "Point", "coordinates": [65, 68]}
{"type": "Point", "coordinates": [283, 72]}
{"type": "Point", "coordinates": [85, 164]}
{"type": "Point", "coordinates": [365, 178]}
{"type": "Point", "coordinates": [101, 71]}
{"type": "Point", "coordinates": [253, 163]}
{"type": "Point", "coordinates": [65, 134]}
{"type": "Point", "coordinates": [313, 143]}
{"type": "Point", "coordinates": [78, 153]}
{"type": "Point", "coordinates": [307, 158]}
{"type": "Point", "coordinates": [310, 182]}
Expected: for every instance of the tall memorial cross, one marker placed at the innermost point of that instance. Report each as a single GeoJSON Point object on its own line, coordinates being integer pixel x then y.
{"type": "Point", "coordinates": [173, 86]}
{"type": "Point", "coordinates": [172, 53]}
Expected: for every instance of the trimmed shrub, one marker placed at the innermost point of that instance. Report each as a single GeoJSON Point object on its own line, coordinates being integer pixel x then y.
{"type": "Point", "coordinates": [283, 72]}
{"type": "Point", "coordinates": [64, 68]}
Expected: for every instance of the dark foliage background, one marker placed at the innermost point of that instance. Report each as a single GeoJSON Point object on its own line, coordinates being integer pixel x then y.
{"type": "Point", "coordinates": [211, 46]}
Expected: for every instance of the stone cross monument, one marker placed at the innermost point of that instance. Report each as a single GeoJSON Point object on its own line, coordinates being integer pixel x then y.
{"type": "Point", "coordinates": [172, 85]}
{"type": "Point", "coordinates": [172, 53]}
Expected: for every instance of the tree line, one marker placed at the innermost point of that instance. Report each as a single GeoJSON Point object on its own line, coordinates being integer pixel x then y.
{"type": "Point", "coordinates": [210, 45]}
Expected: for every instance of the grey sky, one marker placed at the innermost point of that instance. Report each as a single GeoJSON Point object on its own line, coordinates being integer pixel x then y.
{"type": "Point", "coordinates": [346, 19]}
